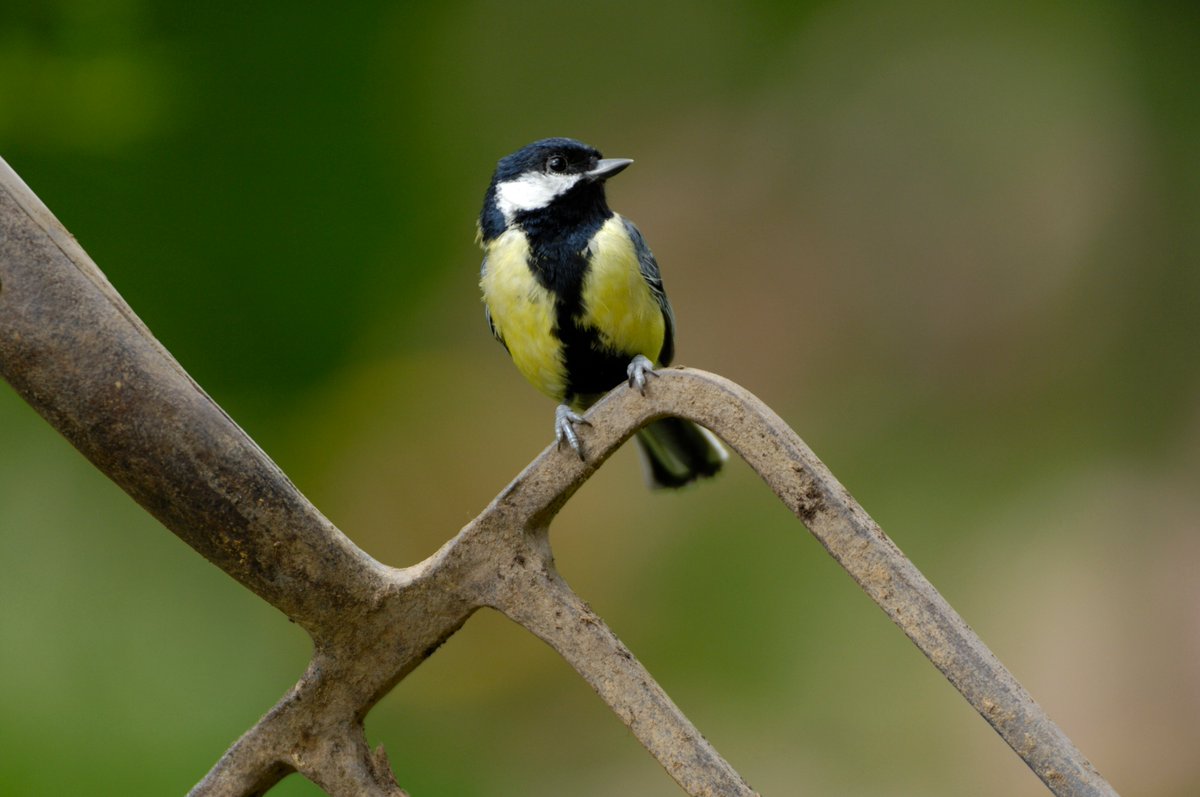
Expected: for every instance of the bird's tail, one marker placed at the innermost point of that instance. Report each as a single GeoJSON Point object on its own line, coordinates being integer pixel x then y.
{"type": "Point", "coordinates": [676, 452]}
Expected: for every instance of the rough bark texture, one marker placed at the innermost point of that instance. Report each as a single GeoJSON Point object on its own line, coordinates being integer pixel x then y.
{"type": "Point", "coordinates": [75, 351]}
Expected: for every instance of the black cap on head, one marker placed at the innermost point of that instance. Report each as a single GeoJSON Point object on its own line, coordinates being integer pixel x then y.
{"type": "Point", "coordinates": [576, 157]}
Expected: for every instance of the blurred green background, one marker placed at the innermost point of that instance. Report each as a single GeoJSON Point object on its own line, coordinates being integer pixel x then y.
{"type": "Point", "coordinates": [955, 246]}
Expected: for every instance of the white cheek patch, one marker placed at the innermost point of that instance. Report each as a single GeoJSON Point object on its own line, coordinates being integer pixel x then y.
{"type": "Point", "coordinates": [531, 192]}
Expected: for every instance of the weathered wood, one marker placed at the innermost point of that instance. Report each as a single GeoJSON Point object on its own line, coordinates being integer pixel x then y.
{"type": "Point", "coordinates": [75, 351]}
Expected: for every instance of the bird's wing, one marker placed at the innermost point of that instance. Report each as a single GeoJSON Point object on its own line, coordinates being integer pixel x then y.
{"type": "Point", "coordinates": [650, 273]}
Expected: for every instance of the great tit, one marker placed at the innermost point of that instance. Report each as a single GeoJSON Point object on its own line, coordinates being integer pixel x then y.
{"type": "Point", "coordinates": [573, 292]}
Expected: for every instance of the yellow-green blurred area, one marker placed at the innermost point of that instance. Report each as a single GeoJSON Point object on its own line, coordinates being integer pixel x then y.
{"type": "Point", "coordinates": [955, 246]}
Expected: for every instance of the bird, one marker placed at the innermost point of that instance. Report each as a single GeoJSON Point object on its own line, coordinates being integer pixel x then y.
{"type": "Point", "coordinates": [574, 294]}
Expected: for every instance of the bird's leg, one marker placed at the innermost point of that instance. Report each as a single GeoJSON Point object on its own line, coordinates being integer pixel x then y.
{"type": "Point", "coordinates": [564, 427]}
{"type": "Point", "coordinates": [639, 367]}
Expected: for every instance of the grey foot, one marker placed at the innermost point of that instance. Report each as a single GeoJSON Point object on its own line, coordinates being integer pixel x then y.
{"type": "Point", "coordinates": [564, 427]}
{"type": "Point", "coordinates": [639, 368]}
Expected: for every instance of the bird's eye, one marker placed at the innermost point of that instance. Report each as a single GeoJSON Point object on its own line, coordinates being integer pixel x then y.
{"type": "Point", "coordinates": [556, 163]}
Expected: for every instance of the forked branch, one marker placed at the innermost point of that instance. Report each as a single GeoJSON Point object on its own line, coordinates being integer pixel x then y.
{"type": "Point", "coordinates": [75, 351]}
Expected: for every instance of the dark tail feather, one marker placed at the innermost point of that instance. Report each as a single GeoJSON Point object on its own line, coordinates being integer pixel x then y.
{"type": "Point", "coordinates": [675, 452]}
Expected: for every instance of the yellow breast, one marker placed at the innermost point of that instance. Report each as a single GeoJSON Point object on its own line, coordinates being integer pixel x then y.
{"type": "Point", "coordinates": [523, 314]}
{"type": "Point", "coordinates": [617, 301]}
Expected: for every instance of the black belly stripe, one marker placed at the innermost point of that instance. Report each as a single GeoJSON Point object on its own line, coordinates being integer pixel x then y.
{"type": "Point", "coordinates": [592, 369]}
{"type": "Point", "coordinates": [557, 240]}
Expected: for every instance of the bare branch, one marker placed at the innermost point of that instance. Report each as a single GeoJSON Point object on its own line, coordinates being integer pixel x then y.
{"type": "Point", "coordinates": [75, 351]}
{"type": "Point", "coordinates": [536, 597]}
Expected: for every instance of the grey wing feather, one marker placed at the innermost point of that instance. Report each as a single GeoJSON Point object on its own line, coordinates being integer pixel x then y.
{"type": "Point", "coordinates": [650, 273]}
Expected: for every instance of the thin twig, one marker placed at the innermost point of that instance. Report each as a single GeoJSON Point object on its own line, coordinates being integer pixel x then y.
{"type": "Point", "coordinates": [75, 351]}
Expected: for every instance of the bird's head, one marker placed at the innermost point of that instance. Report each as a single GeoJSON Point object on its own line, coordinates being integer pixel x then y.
{"type": "Point", "coordinates": [546, 173]}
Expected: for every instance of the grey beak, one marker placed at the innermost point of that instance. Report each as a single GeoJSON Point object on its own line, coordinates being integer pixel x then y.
{"type": "Point", "coordinates": [607, 167]}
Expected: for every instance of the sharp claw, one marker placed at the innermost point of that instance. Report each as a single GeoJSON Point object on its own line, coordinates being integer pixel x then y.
{"type": "Point", "coordinates": [639, 367]}
{"type": "Point", "coordinates": [564, 428]}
